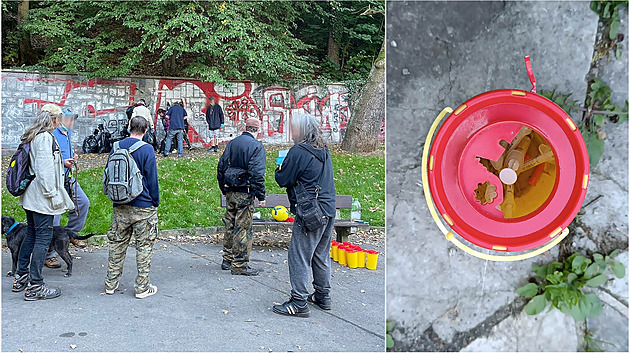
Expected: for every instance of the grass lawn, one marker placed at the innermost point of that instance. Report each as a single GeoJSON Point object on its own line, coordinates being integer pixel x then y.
{"type": "Point", "coordinates": [190, 196]}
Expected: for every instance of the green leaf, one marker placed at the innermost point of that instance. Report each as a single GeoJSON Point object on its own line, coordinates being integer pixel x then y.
{"type": "Point", "coordinates": [389, 325]}
{"type": "Point", "coordinates": [597, 257]}
{"type": "Point", "coordinates": [577, 313]}
{"type": "Point", "coordinates": [597, 280]}
{"type": "Point", "coordinates": [536, 305]}
{"type": "Point", "coordinates": [618, 269]}
{"type": "Point", "coordinates": [596, 305]}
{"type": "Point", "coordinates": [591, 270]}
{"type": "Point", "coordinates": [595, 147]}
{"type": "Point", "coordinates": [614, 29]}
{"type": "Point", "coordinates": [599, 119]}
{"type": "Point", "coordinates": [529, 290]}
{"type": "Point", "coordinates": [571, 277]}
{"type": "Point", "coordinates": [606, 13]}
{"type": "Point", "coordinates": [389, 341]}
{"type": "Point", "coordinates": [540, 271]}
{"type": "Point", "coordinates": [615, 252]}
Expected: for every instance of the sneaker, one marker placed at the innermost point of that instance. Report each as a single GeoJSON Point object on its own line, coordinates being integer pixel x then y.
{"type": "Point", "coordinates": [291, 308]}
{"type": "Point", "coordinates": [147, 293]}
{"type": "Point", "coordinates": [41, 291]}
{"type": "Point", "coordinates": [324, 303]}
{"type": "Point", "coordinates": [216, 148]}
{"type": "Point", "coordinates": [20, 282]}
{"type": "Point", "coordinates": [111, 291]}
{"type": "Point", "coordinates": [226, 265]}
{"type": "Point", "coordinates": [248, 271]}
{"type": "Point", "coordinates": [52, 262]}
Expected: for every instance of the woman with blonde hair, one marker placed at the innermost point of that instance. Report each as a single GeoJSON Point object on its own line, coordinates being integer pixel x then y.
{"type": "Point", "coordinates": [44, 198]}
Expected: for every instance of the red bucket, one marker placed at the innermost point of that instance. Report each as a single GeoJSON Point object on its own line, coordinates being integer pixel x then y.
{"type": "Point", "coordinates": [507, 171]}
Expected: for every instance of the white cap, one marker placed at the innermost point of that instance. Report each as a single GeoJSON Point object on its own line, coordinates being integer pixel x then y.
{"type": "Point", "coordinates": [508, 176]}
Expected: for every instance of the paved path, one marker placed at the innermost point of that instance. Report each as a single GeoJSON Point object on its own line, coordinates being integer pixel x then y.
{"type": "Point", "coordinates": [198, 307]}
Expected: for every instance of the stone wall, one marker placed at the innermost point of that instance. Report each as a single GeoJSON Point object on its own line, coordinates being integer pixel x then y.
{"type": "Point", "coordinates": [105, 101]}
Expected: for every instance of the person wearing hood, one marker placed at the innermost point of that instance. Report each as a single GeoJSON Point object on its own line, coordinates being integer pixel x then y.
{"type": "Point", "coordinates": [43, 199]}
{"type": "Point", "coordinates": [76, 218]}
{"type": "Point", "coordinates": [307, 174]}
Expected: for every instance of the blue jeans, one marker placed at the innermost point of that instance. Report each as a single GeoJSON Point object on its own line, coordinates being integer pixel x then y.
{"type": "Point", "coordinates": [35, 245]}
{"type": "Point", "coordinates": [75, 222]}
{"type": "Point", "coordinates": [179, 133]}
{"type": "Point", "coordinates": [309, 253]}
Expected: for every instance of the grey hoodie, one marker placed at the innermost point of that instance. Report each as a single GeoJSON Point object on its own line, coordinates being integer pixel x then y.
{"type": "Point", "coordinates": [46, 193]}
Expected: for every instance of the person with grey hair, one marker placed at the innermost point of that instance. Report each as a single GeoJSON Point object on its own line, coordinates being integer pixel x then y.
{"type": "Point", "coordinates": [44, 198]}
{"type": "Point", "coordinates": [76, 218]}
{"type": "Point", "coordinates": [307, 174]}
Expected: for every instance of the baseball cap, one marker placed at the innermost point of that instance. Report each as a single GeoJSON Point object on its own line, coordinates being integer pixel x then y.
{"type": "Point", "coordinates": [53, 109]}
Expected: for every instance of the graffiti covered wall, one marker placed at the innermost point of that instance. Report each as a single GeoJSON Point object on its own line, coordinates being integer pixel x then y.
{"type": "Point", "coordinates": [100, 101]}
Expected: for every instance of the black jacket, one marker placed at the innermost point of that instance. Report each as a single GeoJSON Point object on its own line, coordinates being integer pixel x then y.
{"type": "Point", "coordinates": [247, 153]}
{"type": "Point", "coordinates": [303, 164]}
{"type": "Point", "coordinates": [214, 116]}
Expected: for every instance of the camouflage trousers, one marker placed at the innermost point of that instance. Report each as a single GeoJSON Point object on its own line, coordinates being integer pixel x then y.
{"type": "Point", "coordinates": [142, 223]}
{"type": "Point", "coordinates": [239, 235]}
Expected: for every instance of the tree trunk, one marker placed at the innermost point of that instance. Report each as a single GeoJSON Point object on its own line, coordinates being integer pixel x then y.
{"type": "Point", "coordinates": [365, 124]}
{"type": "Point", "coordinates": [333, 47]}
{"type": "Point", "coordinates": [26, 54]}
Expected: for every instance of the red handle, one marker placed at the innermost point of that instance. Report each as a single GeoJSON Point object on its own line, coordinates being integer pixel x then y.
{"type": "Point", "coordinates": [530, 73]}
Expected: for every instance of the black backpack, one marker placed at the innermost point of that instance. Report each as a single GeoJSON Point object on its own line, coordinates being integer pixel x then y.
{"type": "Point", "coordinates": [18, 176]}
{"type": "Point", "coordinates": [90, 143]}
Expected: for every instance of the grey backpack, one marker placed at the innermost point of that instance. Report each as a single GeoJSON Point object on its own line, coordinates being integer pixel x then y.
{"type": "Point", "coordinates": [122, 180]}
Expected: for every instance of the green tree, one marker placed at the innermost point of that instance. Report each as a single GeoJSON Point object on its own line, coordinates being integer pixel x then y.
{"type": "Point", "coordinates": [213, 41]}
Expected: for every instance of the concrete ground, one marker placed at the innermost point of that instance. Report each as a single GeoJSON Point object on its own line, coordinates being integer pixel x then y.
{"type": "Point", "coordinates": [441, 54]}
{"type": "Point", "coordinates": [198, 307]}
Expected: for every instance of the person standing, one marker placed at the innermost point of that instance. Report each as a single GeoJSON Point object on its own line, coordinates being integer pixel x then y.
{"type": "Point", "coordinates": [307, 173]}
{"type": "Point", "coordinates": [43, 199]}
{"type": "Point", "coordinates": [142, 110]}
{"type": "Point", "coordinates": [137, 218]}
{"type": "Point", "coordinates": [76, 218]}
{"type": "Point", "coordinates": [176, 115]}
{"type": "Point", "coordinates": [241, 177]}
{"type": "Point", "coordinates": [215, 120]}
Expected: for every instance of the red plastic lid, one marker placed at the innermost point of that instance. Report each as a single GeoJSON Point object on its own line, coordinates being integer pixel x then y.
{"type": "Point", "coordinates": [482, 122]}
{"type": "Point", "coordinates": [372, 252]}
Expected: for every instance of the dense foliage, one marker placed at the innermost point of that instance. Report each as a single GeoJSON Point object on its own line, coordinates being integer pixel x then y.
{"type": "Point", "coordinates": [213, 41]}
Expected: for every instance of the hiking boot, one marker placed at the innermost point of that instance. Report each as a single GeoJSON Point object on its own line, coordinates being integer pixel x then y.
{"type": "Point", "coordinates": [111, 291]}
{"type": "Point", "coordinates": [78, 243]}
{"type": "Point", "coordinates": [20, 282]}
{"type": "Point", "coordinates": [226, 265]}
{"type": "Point", "coordinates": [147, 293]}
{"type": "Point", "coordinates": [248, 271]}
{"type": "Point", "coordinates": [292, 308]}
{"type": "Point", "coordinates": [52, 262]}
{"type": "Point", "coordinates": [324, 303]}
{"type": "Point", "coordinates": [41, 291]}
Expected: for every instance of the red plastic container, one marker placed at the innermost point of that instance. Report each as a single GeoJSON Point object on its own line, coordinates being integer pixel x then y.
{"type": "Point", "coordinates": [475, 130]}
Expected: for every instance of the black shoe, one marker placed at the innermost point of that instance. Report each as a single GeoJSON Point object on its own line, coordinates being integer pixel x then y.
{"type": "Point", "coordinates": [226, 265]}
{"type": "Point", "coordinates": [324, 303]}
{"type": "Point", "coordinates": [20, 282]}
{"type": "Point", "coordinates": [40, 292]}
{"type": "Point", "coordinates": [248, 271]}
{"type": "Point", "coordinates": [291, 308]}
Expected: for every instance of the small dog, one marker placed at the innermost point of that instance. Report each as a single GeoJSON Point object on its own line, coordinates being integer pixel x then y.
{"type": "Point", "coordinates": [60, 241]}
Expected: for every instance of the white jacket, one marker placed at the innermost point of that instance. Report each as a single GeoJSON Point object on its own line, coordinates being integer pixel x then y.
{"type": "Point", "coordinates": [46, 194]}
{"type": "Point", "coordinates": [144, 112]}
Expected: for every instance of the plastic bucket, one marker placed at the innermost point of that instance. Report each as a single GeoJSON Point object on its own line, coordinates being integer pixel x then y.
{"type": "Point", "coordinates": [352, 257]}
{"type": "Point", "coordinates": [335, 251]}
{"type": "Point", "coordinates": [341, 255]}
{"type": "Point", "coordinates": [360, 258]}
{"type": "Point", "coordinates": [372, 259]}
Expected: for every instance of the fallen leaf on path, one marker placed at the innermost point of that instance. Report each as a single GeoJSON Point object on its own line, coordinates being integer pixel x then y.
{"type": "Point", "coordinates": [225, 311]}
{"type": "Point", "coordinates": [73, 346]}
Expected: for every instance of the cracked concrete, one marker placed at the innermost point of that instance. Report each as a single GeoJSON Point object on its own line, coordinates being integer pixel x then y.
{"type": "Point", "coordinates": [442, 298]}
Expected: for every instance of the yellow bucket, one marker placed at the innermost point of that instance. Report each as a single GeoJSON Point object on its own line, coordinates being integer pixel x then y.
{"type": "Point", "coordinates": [360, 258]}
{"type": "Point", "coordinates": [335, 252]}
{"type": "Point", "coordinates": [341, 256]}
{"type": "Point", "coordinates": [372, 259]}
{"type": "Point", "coordinates": [352, 256]}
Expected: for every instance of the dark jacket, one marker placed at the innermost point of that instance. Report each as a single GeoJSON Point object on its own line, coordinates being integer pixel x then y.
{"type": "Point", "coordinates": [247, 153]}
{"type": "Point", "coordinates": [145, 159]}
{"type": "Point", "coordinates": [214, 116]}
{"type": "Point", "coordinates": [303, 164]}
{"type": "Point", "coordinates": [176, 113]}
